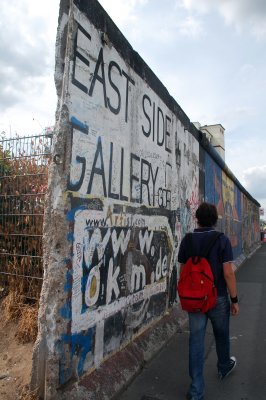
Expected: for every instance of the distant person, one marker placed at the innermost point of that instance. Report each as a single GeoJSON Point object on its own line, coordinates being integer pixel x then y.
{"type": "Point", "coordinates": [221, 262]}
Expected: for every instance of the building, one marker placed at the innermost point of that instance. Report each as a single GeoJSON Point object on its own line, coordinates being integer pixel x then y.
{"type": "Point", "coordinates": [215, 135]}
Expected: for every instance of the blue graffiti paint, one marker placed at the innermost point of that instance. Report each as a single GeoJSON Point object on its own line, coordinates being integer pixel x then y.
{"type": "Point", "coordinates": [68, 285]}
{"type": "Point", "coordinates": [80, 345]}
{"type": "Point", "coordinates": [70, 236]}
{"type": "Point", "coordinates": [79, 124]}
{"type": "Point", "coordinates": [66, 311]}
{"type": "Point", "coordinates": [213, 181]}
{"type": "Point", "coordinates": [71, 214]}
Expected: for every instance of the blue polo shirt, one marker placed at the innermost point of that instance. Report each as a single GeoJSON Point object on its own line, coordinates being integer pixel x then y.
{"type": "Point", "coordinates": [220, 253]}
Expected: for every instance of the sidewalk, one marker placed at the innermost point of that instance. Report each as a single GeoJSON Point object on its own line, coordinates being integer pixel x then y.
{"type": "Point", "coordinates": [166, 376]}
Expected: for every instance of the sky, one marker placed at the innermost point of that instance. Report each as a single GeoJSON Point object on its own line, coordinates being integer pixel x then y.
{"type": "Point", "coordinates": [210, 55]}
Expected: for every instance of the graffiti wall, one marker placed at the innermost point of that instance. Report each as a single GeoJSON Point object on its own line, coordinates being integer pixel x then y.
{"type": "Point", "coordinates": [238, 215]}
{"type": "Point", "coordinates": [250, 224]}
{"type": "Point", "coordinates": [131, 194]}
{"type": "Point", "coordinates": [128, 175]}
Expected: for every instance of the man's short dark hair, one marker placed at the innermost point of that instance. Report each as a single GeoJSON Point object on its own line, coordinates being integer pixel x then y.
{"type": "Point", "coordinates": [207, 215]}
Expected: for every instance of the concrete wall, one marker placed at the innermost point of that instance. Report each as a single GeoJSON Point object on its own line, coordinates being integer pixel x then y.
{"type": "Point", "coordinates": [129, 171]}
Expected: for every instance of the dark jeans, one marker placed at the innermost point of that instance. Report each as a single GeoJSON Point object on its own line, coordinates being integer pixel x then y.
{"type": "Point", "coordinates": [219, 317]}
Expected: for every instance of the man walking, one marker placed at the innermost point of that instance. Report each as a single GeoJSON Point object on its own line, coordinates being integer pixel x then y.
{"type": "Point", "coordinates": [221, 261]}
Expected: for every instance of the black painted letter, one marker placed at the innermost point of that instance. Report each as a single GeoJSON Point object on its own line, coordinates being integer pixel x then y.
{"type": "Point", "coordinates": [96, 76]}
{"type": "Point", "coordinates": [114, 110]}
{"type": "Point", "coordinates": [98, 171]}
{"type": "Point", "coordinates": [145, 97]}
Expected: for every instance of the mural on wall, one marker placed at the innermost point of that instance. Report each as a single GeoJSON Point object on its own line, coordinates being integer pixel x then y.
{"type": "Point", "coordinates": [251, 224]}
{"type": "Point", "coordinates": [232, 213]}
{"type": "Point", "coordinates": [132, 193]}
{"type": "Point", "coordinates": [238, 215]}
{"type": "Point", "coordinates": [222, 191]}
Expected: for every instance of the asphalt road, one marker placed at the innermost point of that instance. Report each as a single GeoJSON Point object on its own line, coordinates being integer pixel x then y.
{"type": "Point", "coordinates": [166, 376]}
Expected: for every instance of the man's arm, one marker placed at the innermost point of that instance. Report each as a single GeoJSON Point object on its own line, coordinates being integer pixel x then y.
{"type": "Point", "coordinates": [230, 278]}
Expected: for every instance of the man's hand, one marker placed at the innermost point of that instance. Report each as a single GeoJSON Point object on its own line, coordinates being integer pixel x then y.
{"type": "Point", "coordinates": [234, 308]}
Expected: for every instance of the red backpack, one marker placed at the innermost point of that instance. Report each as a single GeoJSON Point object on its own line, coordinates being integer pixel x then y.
{"type": "Point", "coordinates": [196, 287]}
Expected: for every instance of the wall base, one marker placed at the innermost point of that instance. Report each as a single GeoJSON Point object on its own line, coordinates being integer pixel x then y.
{"type": "Point", "coordinates": [116, 373]}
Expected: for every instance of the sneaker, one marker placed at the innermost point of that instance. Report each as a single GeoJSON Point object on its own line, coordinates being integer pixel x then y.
{"type": "Point", "coordinates": [232, 366]}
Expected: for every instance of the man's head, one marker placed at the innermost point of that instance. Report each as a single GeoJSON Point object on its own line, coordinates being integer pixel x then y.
{"type": "Point", "coordinates": [207, 215]}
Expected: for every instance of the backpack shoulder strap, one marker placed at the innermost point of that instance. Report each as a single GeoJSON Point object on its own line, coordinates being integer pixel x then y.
{"type": "Point", "coordinates": [190, 244]}
{"type": "Point", "coordinates": [211, 243]}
